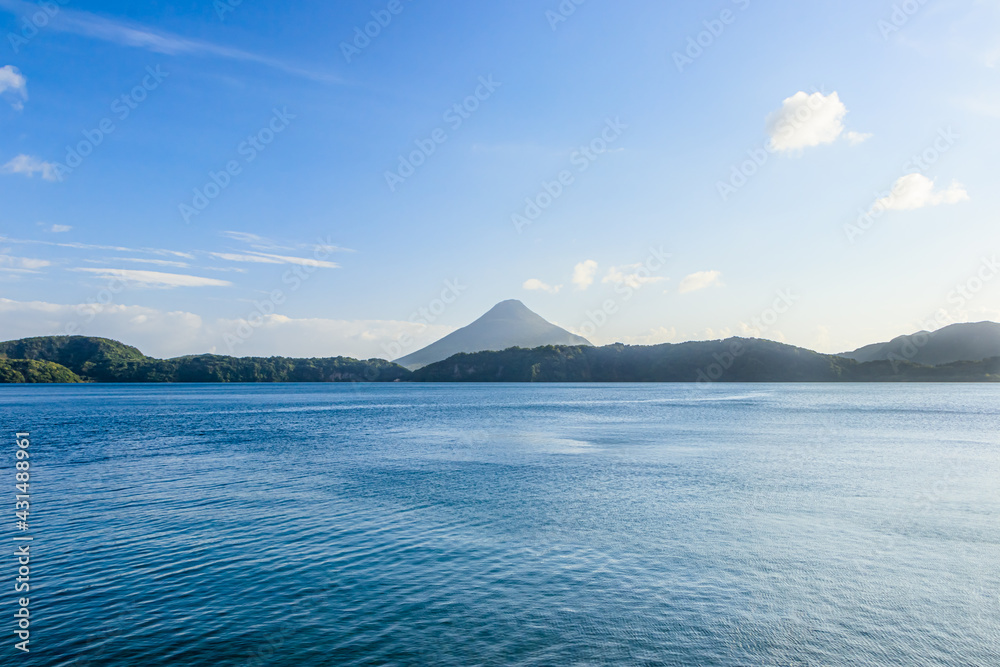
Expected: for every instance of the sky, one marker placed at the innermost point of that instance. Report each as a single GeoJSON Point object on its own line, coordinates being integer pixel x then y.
{"type": "Point", "coordinates": [250, 177]}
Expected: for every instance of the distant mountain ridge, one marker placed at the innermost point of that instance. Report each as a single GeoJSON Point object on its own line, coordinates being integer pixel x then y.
{"type": "Point", "coordinates": [731, 360]}
{"type": "Point", "coordinates": [508, 324]}
{"type": "Point", "coordinates": [66, 359]}
{"type": "Point", "coordinates": [957, 342]}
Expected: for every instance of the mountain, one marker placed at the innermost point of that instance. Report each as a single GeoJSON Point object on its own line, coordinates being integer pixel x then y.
{"type": "Point", "coordinates": [731, 360]}
{"type": "Point", "coordinates": [507, 324]}
{"type": "Point", "coordinates": [64, 359]}
{"type": "Point", "coordinates": [30, 371]}
{"type": "Point", "coordinates": [95, 359]}
{"type": "Point", "coordinates": [72, 358]}
{"type": "Point", "coordinates": [957, 342]}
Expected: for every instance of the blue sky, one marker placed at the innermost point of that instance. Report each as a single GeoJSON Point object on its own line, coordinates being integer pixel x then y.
{"type": "Point", "coordinates": [249, 197]}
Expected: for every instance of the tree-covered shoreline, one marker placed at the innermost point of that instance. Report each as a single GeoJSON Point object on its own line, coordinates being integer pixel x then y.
{"type": "Point", "coordinates": [76, 359]}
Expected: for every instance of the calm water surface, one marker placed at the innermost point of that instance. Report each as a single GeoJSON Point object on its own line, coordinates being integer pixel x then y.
{"type": "Point", "coordinates": [509, 524]}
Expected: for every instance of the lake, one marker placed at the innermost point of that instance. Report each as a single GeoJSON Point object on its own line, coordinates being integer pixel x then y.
{"type": "Point", "coordinates": [509, 524]}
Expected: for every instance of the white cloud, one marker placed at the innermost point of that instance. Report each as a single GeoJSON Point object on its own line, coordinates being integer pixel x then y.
{"type": "Point", "coordinates": [535, 284]}
{"type": "Point", "coordinates": [245, 237]}
{"type": "Point", "coordinates": [13, 85]}
{"type": "Point", "coordinates": [60, 229]}
{"type": "Point", "coordinates": [806, 120]}
{"type": "Point", "coordinates": [637, 276]}
{"type": "Point", "coordinates": [170, 334]}
{"type": "Point", "coordinates": [157, 279]}
{"type": "Point", "coordinates": [713, 334]}
{"type": "Point", "coordinates": [29, 166]}
{"type": "Point", "coordinates": [142, 260]}
{"type": "Point", "coordinates": [700, 280]}
{"type": "Point", "coordinates": [265, 258]}
{"type": "Point", "coordinates": [261, 243]}
{"type": "Point", "coordinates": [91, 246]}
{"type": "Point", "coordinates": [583, 274]}
{"type": "Point", "coordinates": [653, 337]}
{"type": "Point", "coordinates": [856, 138]}
{"type": "Point", "coordinates": [22, 264]}
{"type": "Point", "coordinates": [751, 331]}
{"type": "Point", "coordinates": [915, 191]}
{"type": "Point", "coordinates": [231, 257]}
{"type": "Point", "coordinates": [300, 261]}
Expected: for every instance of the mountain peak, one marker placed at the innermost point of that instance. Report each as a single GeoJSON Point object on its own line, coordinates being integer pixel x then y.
{"type": "Point", "coordinates": [964, 341]}
{"type": "Point", "coordinates": [508, 324]}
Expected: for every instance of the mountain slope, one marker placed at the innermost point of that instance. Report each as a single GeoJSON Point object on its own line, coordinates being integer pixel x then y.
{"type": "Point", "coordinates": [507, 324]}
{"type": "Point", "coordinates": [732, 360]}
{"type": "Point", "coordinates": [32, 371]}
{"type": "Point", "coordinates": [957, 342]}
{"type": "Point", "coordinates": [104, 360]}
{"type": "Point", "coordinates": [97, 359]}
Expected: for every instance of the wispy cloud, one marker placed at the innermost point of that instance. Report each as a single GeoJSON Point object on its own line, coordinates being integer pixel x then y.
{"type": "Point", "coordinates": [134, 35]}
{"type": "Point", "coordinates": [59, 229]}
{"type": "Point", "coordinates": [300, 261]}
{"type": "Point", "coordinates": [243, 237]}
{"type": "Point", "coordinates": [22, 264]}
{"type": "Point", "coordinates": [250, 259]}
{"type": "Point", "coordinates": [253, 257]}
{"type": "Point", "coordinates": [29, 166]}
{"type": "Point", "coordinates": [258, 242]}
{"type": "Point", "coordinates": [143, 260]}
{"type": "Point", "coordinates": [157, 279]}
{"type": "Point", "coordinates": [534, 284]}
{"type": "Point", "coordinates": [632, 275]}
{"type": "Point", "coordinates": [91, 246]}
{"type": "Point", "coordinates": [699, 281]}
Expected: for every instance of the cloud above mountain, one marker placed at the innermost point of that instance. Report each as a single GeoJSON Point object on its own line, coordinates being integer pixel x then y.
{"type": "Point", "coordinates": [805, 120]}
{"type": "Point", "coordinates": [915, 191]}
{"type": "Point", "coordinates": [699, 281]}
{"type": "Point", "coordinates": [534, 284]}
{"type": "Point", "coordinates": [584, 273]}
